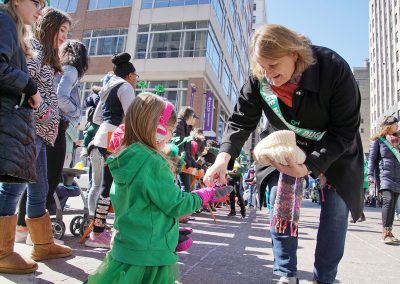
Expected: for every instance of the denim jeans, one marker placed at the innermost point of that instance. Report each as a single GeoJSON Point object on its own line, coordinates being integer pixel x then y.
{"type": "Point", "coordinates": [252, 190]}
{"type": "Point", "coordinates": [330, 240]}
{"type": "Point", "coordinates": [37, 192]}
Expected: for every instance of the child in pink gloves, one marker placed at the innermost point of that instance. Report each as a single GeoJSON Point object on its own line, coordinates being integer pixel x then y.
{"type": "Point", "coordinates": [146, 200]}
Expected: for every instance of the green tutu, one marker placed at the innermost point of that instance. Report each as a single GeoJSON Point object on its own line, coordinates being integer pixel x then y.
{"type": "Point", "coordinates": [112, 271]}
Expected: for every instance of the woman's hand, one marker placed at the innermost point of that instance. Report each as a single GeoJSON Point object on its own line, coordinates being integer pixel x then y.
{"type": "Point", "coordinates": [217, 172]}
{"type": "Point", "coordinates": [292, 169]}
{"type": "Point", "coordinates": [35, 100]}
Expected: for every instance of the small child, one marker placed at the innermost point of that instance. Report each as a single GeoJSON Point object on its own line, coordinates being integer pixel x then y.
{"type": "Point", "coordinates": [145, 198]}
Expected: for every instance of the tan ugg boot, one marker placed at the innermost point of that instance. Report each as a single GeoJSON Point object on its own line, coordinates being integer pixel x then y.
{"type": "Point", "coordinates": [10, 261]}
{"type": "Point", "coordinates": [42, 239]}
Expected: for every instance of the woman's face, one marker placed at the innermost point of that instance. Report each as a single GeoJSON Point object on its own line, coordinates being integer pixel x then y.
{"type": "Point", "coordinates": [191, 120]}
{"type": "Point", "coordinates": [278, 71]}
{"type": "Point", "coordinates": [62, 34]}
{"type": "Point", "coordinates": [393, 128]}
{"type": "Point", "coordinates": [29, 10]}
{"type": "Point", "coordinates": [132, 79]}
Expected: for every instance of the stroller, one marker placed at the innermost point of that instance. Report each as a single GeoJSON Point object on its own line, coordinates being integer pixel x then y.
{"type": "Point", "coordinates": [69, 188]}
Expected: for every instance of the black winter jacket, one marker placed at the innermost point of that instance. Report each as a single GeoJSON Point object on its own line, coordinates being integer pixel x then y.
{"type": "Point", "coordinates": [182, 130]}
{"type": "Point", "coordinates": [384, 166]}
{"type": "Point", "coordinates": [17, 125]}
{"type": "Point", "coordinates": [327, 99]}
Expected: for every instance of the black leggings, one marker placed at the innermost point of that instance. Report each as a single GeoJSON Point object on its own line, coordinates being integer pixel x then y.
{"type": "Point", "coordinates": [389, 199]}
{"type": "Point", "coordinates": [55, 161]}
{"type": "Point", "coordinates": [236, 183]}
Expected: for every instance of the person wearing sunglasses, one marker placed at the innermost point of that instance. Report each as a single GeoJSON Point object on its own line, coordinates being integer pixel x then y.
{"type": "Point", "coordinates": [18, 97]}
{"type": "Point", "coordinates": [310, 90]}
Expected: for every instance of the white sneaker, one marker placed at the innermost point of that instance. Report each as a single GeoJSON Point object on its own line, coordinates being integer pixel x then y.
{"type": "Point", "coordinates": [21, 234]}
{"type": "Point", "coordinates": [288, 280]}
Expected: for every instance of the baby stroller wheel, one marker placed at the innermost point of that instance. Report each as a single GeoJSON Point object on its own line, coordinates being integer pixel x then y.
{"type": "Point", "coordinates": [58, 228]}
{"type": "Point", "coordinates": [75, 225]}
{"type": "Point", "coordinates": [84, 225]}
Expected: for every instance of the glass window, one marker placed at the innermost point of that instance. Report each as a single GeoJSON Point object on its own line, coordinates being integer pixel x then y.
{"type": "Point", "coordinates": [227, 80]}
{"type": "Point", "coordinates": [232, 8]}
{"type": "Point", "coordinates": [165, 45]}
{"type": "Point", "coordinates": [172, 40]}
{"type": "Point", "coordinates": [147, 4]}
{"type": "Point", "coordinates": [219, 12]}
{"type": "Point", "coordinates": [175, 91]}
{"type": "Point", "coordinates": [105, 42]}
{"type": "Point", "coordinates": [214, 53]}
{"type": "Point", "coordinates": [229, 40]}
{"type": "Point", "coordinates": [234, 95]}
{"type": "Point", "coordinates": [103, 4]}
{"type": "Point", "coordinates": [65, 5]}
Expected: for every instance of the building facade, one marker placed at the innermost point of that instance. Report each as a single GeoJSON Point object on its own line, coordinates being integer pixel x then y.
{"type": "Point", "coordinates": [384, 48]}
{"type": "Point", "coordinates": [195, 49]}
{"type": "Point", "coordinates": [361, 74]}
{"type": "Point", "coordinates": [259, 13]}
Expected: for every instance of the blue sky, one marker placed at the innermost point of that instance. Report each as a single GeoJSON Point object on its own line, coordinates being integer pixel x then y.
{"type": "Point", "coordinates": [341, 25]}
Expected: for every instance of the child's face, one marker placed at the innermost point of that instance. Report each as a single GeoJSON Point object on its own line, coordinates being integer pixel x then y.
{"type": "Point", "coordinates": [167, 138]}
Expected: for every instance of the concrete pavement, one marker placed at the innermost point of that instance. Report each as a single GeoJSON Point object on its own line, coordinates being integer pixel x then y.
{"type": "Point", "coordinates": [239, 251]}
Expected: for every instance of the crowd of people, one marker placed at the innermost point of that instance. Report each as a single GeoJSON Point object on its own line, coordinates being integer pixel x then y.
{"type": "Point", "coordinates": [139, 151]}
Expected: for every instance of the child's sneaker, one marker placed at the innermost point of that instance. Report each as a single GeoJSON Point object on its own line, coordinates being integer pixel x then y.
{"type": "Point", "coordinates": [102, 240]}
{"type": "Point", "coordinates": [184, 243]}
{"type": "Point", "coordinates": [185, 230]}
{"type": "Point", "coordinates": [21, 233]}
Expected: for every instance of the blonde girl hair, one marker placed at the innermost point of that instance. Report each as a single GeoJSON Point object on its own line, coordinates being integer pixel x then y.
{"type": "Point", "coordinates": [23, 33]}
{"type": "Point", "coordinates": [275, 41]}
{"type": "Point", "coordinates": [142, 119]}
{"type": "Point", "coordinates": [383, 131]}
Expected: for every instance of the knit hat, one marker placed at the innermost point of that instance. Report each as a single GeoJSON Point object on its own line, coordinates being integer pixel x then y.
{"type": "Point", "coordinates": [122, 66]}
{"type": "Point", "coordinates": [277, 147]}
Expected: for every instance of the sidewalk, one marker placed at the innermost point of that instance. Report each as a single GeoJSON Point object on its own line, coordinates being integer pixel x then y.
{"type": "Point", "coordinates": [239, 251]}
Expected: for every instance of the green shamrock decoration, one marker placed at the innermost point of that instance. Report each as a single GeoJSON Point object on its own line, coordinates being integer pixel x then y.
{"type": "Point", "coordinates": [142, 85]}
{"type": "Point", "coordinates": [159, 89]}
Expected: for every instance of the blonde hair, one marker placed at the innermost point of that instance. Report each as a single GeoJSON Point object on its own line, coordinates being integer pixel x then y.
{"type": "Point", "coordinates": [382, 132]}
{"type": "Point", "coordinates": [275, 41]}
{"type": "Point", "coordinates": [142, 119]}
{"type": "Point", "coordinates": [22, 31]}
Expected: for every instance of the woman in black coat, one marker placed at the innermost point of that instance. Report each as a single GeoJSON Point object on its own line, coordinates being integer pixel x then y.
{"type": "Point", "coordinates": [384, 169]}
{"type": "Point", "coordinates": [310, 90]}
{"type": "Point", "coordinates": [186, 120]}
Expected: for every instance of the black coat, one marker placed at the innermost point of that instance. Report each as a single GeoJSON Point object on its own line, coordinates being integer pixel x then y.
{"type": "Point", "coordinates": [384, 166]}
{"type": "Point", "coordinates": [17, 125]}
{"type": "Point", "coordinates": [327, 99]}
{"type": "Point", "coordinates": [182, 130]}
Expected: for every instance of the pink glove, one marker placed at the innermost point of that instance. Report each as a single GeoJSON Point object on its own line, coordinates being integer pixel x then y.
{"type": "Point", "coordinates": [206, 194]}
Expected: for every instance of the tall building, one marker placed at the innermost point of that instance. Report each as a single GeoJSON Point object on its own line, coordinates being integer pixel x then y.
{"type": "Point", "coordinates": [195, 49]}
{"type": "Point", "coordinates": [259, 13]}
{"type": "Point", "coordinates": [361, 74]}
{"type": "Point", "coordinates": [384, 48]}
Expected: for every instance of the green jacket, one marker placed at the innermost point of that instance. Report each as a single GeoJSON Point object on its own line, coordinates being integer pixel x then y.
{"type": "Point", "coordinates": [147, 205]}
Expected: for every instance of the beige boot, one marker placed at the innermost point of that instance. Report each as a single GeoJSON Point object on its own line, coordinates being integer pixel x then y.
{"type": "Point", "coordinates": [10, 261]}
{"type": "Point", "coordinates": [387, 236]}
{"type": "Point", "coordinates": [42, 239]}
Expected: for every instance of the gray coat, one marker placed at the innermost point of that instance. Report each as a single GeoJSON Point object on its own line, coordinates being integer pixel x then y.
{"type": "Point", "coordinates": [17, 126]}
{"type": "Point", "coordinates": [383, 166]}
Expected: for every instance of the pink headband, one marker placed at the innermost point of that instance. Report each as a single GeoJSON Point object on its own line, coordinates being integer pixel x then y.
{"type": "Point", "coordinates": [168, 108]}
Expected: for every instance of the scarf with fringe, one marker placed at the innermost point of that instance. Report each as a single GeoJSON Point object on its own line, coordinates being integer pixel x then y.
{"type": "Point", "coordinates": [287, 204]}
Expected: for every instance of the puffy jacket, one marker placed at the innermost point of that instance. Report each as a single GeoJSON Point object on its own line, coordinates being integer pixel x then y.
{"type": "Point", "coordinates": [17, 125]}
{"type": "Point", "coordinates": [383, 165]}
